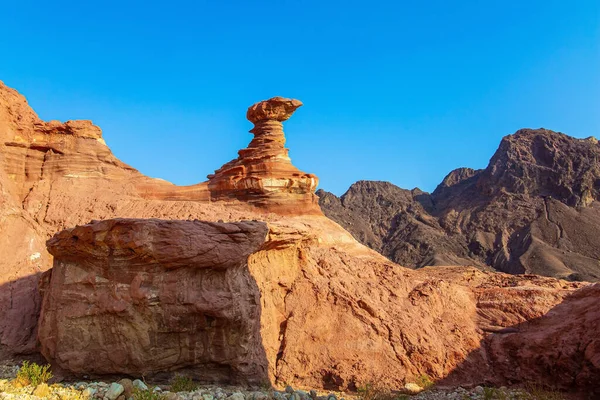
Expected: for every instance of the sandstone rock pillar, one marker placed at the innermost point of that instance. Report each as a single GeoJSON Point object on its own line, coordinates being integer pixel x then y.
{"type": "Point", "coordinates": [263, 173]}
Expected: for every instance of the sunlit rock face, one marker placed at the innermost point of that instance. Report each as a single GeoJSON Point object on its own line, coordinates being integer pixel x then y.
{"type": "Point", "coordinates": [297, 298]}
{"type": "Point", "coordinates": [263, 174]}
{"type": "Point", "coordinates": [56, 175]}
{"type": "Point", "coordinates": [145, 295]}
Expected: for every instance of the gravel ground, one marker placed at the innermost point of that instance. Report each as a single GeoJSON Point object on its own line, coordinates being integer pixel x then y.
{"type": "Point", "coordinates": [126, 389]}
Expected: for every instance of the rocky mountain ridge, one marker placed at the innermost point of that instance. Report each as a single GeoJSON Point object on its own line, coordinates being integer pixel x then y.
{"type": "Point", "coordinates": [534, 209]}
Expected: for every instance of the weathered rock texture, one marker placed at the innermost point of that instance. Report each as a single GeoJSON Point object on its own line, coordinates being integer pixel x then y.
{"type": "Point", "coordinates": [145, 296]}
{"type": "Point", "coordinates": [55, 176]}
{"type": "Point", "coordinates": [176, 304]}
{"type": "Point", "coordinates": [332, 312]}
{"type": "Point", "coordinates": [534, 209]}
{"type": "Point", "coordinates": [263, 173]}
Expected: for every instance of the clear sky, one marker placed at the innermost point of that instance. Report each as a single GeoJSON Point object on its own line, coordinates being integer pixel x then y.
{"type": "Point", "coordinates": [402, 91]}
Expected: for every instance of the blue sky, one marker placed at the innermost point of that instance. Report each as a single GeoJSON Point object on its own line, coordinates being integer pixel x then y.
{"type": "Point", "coordinates": [402, 91]}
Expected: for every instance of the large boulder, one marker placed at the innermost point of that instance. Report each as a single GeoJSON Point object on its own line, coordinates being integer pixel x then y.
{"type": "Point", "coordinates": [138, 297]}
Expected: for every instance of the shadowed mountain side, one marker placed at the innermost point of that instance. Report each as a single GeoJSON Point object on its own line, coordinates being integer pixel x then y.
{"type": "Point", "coordinates": [534, 209]}
{"type": "Point", "coordinates": [561, 347]}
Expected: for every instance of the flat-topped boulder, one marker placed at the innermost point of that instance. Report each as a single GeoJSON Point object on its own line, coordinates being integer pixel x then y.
{"type": "Point", "coordinates": [145, 296]}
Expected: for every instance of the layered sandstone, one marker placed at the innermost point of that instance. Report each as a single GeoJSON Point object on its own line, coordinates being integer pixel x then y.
{"type": "Point", "coordinates": [263, 173]}
{"type": "Point", "coordinates": [57, 175]}
{"type": "Point", "coordinates": [331, 312]}
{"type": "Point", "coordinates": [147, 296]}
{"type": "Point", "coordinates": [233, 304]}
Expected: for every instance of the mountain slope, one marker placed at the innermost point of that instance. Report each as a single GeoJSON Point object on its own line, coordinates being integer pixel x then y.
{"type": "Point", "coordinates": [534, 209]}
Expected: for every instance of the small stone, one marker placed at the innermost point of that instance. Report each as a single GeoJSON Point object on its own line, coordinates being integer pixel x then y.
{"type": "Point", "coordinates": [80, 385]}
{"type": "Point", "coordinates": [121, 397]}
{"type": "Point", "coordinates": [42, 390]}
{"type": "Point", "coordinates": [413, 388]}
{"type": "Point", "coordinates": [289, 389]}
{"type": "Point", "coordinates": [89, 392]}
{"type": "Point", "coordinates": [478, 390]}
{"type": "Point", "coordinates": [207, 396]}
{"type": "Point", "coordinates": [236, 396]}
{"type": "Point", "coordinates": [313, 394]}
{"type": "Point", "coordinates": [128, 386]}
{"type": "Point", "coordinates": [139, 385]}
{"type": "Point", "coordinates": [295, 396]}
{"type": "Point", "coordinates": [157, 389]}
{"type": "Point", "coordinates": [277, 396]}
{"type": "Point", "coordinates": [303, 395]}
{"type": "Point", "coordinates": [259, 396]}
{"type": "Point", "coordinates": [114, 391]}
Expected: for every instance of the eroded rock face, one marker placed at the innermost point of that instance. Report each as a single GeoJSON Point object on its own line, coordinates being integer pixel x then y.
{"type": "Point", "coordinates": [148, 296]}
{"type": "Point", "coordinates": [57, 175]}
{"type": "Point", "coordinates": [208, 308]}
{"type": "Point", "coordinates": [263, 173]}
{"type": "Point", "coordinates": [330, 312]}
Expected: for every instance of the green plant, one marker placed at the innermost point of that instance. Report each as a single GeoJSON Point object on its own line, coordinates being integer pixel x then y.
{"type": "Point", "coordinates": [373, 392]}
{"type": "Point", "coordinates": [33, 374]}
{"type": "Point", "coordinates": [538, 392]}
{"type": "Point", "coordinates": [490, 393]}
{"type": "Point", "coordinates": [149, 394]}
{"type": "Point", "coordinates": [183, 384]}
{"type": "Point", "coordinates": [424, 381]}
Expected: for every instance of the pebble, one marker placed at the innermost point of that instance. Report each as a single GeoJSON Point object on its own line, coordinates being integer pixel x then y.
{"type": "Point", "coordinates": [259, 396]}
{"type": "Point", "coordinates": [289, 389]}
{"type": "Point", "coordinates": [140, 385]}
{"type": "Point", "coordinates": [114, 391]}
{"type": "Point", "coordinates": [413, 388]}
{"type": "Point", "coordinates": [236, 396]}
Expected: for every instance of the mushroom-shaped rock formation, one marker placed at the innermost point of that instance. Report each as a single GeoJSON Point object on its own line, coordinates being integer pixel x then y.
{"type": "Point", "coordinates": [263, 174]}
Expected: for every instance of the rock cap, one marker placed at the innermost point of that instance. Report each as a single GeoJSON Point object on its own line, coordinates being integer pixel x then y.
{"type": "Point", "coordinates": [276, 108]}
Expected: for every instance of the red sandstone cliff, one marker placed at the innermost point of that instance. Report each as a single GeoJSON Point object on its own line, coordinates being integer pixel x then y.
{"type": "Point", "coordinates": [296, 297]}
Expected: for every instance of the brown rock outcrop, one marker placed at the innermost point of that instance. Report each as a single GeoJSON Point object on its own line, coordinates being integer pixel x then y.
{"type": "Point", "coordinates": [263, 173]}
{"type": "Point", "coordinates": [534, 209]}
{"type": "Point", "coordinates": [55, 176]}
{"type": "Point", "coordinates": [289, 300]}
{"type": "Point", "coordinates": [145, 296]}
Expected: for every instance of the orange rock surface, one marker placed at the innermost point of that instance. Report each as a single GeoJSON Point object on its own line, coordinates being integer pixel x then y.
{"type": "Point", "coordinates": [263, 174]}
{"type": "Point", "coordinates": [332, 313]}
